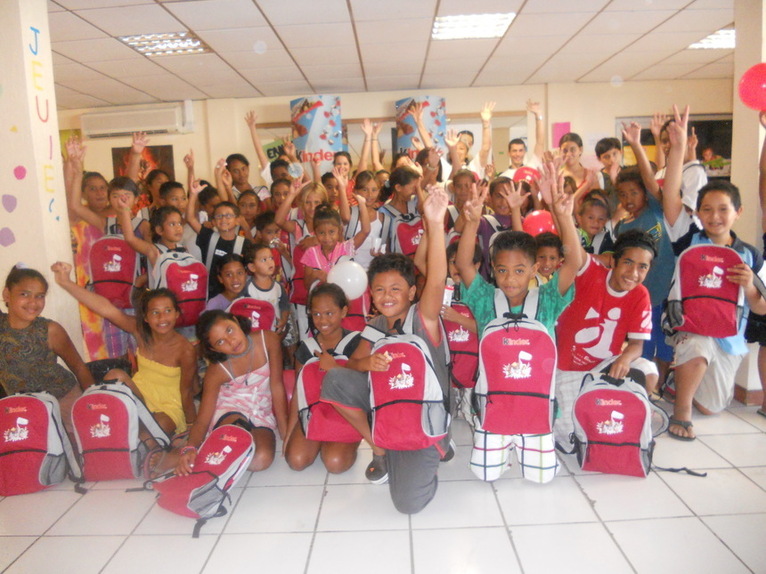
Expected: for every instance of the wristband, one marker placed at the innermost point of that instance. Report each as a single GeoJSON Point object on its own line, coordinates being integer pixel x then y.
{"type": "Point", "coordinates": [187, 448]}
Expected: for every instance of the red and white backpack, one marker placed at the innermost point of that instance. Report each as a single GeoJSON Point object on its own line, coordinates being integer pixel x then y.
{"type": "Point", "coordinates": [114, 266]}
{"type": "Point", "coordinates": [261, 313]}
{"type": "Point", "coordinates": [106, 422]}
{"type": "Point", "coordinates": [186, 276]}
{"type": "Point", "coordinates": [320, 420]}
{"type": "Point", "coordinates": [514, 393]}
{"type": "Point", "coordinates": [405, 230]}
{"type": "Point", "coordinates": [34, 447]}
{"type": "Point", "coordinates": [613, 425]}
{"type": "Point", "coordinates": [701, 300]}
{"type": "Point", "coordinates": [204, 493]}
{"type": "Point", "coordinates": [464, 349]}
{"type": "Point", "coordinates": [409, 408]}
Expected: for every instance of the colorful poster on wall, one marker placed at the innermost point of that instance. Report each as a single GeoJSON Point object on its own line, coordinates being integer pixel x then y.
{"type": "Point", "coordinates": [433, 111]}
{"type": "Point", "coordinates": [316, 123]}
{"type": "Point", "coordinates": [274, 149]}
{"type": "Point", "coordinates": [154, 157]}
{"type": "Point", "coordinates": [559, 129]}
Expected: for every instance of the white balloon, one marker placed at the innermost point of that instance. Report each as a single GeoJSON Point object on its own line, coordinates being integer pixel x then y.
{"type": "Point", "coordinates": [349, 276]}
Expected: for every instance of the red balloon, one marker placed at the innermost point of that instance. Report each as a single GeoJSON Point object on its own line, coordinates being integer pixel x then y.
{"type": "Point", "coordinates": [526, 174]}
{"type": "Point", "coordinates": [539, 221]}
{"type": "Point", "coordinates": [752, 87]}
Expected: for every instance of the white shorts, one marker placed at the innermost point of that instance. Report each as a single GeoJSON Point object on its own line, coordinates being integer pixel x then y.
{"type": "Point", "coordinates": [716, 389]}
{"type": "Point", "coordinates": [568, 385]}
{"type": "Point", "coordinates": [491, 455]}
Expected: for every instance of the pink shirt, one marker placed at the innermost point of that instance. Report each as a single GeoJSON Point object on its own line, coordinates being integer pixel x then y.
{"type": "Point", "coordinates": [315, 258]}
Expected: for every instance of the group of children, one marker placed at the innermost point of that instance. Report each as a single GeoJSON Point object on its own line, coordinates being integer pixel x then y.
{"type": "Point", "coordinates": [597, 264]}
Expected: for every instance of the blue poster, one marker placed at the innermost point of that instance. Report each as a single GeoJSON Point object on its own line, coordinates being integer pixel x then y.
{"type": "Point", "coordinates": [432, 111]}
{"type": "Point", "coordinates": [316, 124]}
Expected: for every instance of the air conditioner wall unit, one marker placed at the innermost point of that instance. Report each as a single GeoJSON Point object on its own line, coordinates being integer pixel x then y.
{"type": "Point", "coordinates": [171, 118]}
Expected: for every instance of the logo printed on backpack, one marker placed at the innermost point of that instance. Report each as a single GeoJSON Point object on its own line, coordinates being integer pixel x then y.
{"type": "Point", "coordinates": [115, 265]}
{"type": "Point", "coordinates": [613, 426]}
{"type": "Point", "coordinates": [519, 369]}
{"type": "Point", "coordinates": [513, 342]}
{"type": "Point", "coordinates": [459, 335]}
{"type": "Point", "coordinates": [403, 380]}
{"type": "Point", "coordinates": [417, 238]}
{"type": "Point", "coordinates": [19, 432]}
{"type": "Point", "coordinates": [192, 284]}
{"type": "Point", "coordinates": [101, 429]}
{"type": "Point", "coordinates": [216, 458]}
{"type": "Point", "coordinates": [712, 280]}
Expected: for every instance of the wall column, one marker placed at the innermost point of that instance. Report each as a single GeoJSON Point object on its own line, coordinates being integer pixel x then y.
{"type": "Point", "coordinates": [34, 226]}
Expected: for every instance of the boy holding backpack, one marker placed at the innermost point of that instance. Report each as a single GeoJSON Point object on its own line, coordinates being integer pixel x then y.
{"type": "Point", "coordinates": [513, 257]}
{"type": "Point", "coordinates": [411, 473]}
{"type": "Point", "coordinates": [705, 364]}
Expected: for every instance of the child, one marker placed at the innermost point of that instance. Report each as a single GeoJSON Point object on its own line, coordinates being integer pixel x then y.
{"type": "Point", "coordinates": [260, 262]}
{"type": "Point", "coordinates": [592, 218]}
{"type": "Point", "coordinates": [30, 344]}
{"type": "Point", "coordinates": [609, 153]}
{"type": "Point", "coordinates": [173, 194]}
{"type": "Point", "coordinates": [704, 365]}
{"type": "Point", "coordinates": [328, 306]}
{"type": "Point", "coordinates": [239, 168]}
{"type": "Point", "coordinates": [366, 187]}
{"type": "Point", "coordinates": [216, 244]}
{"type": "Point", "coordinates": [330, 183]}
{"type": "Point", "coordinates": [269, 233]}
{"type": "Point", "coordinates": [404, 187]}
{"type": "Point", "coordinates": [319, 259]}
{"type": "Point", "coordinates": [550, 256]}
{"type": "Point", "coordinates": [243, 386]}
{"type": "Point", "coordinates": [167, 362]}
{"type": "Point", "coordinates": [280, 189]}
{"type": "Point", "coordinates": [167, 225]}
{"type": "Point", "coordinates": [233, 276]}
{"type": "Point", "coordinates": [461, 190]}
{"type": "Point", "coordinates": [645, 214]}
{"type": "Point", "coordinates": [412, 474]}
{"type": "Point", "coordinates": [513, 257]}
{"type": "Point", "coordinates": [606, 324]}
{"type": "Point", "coordinates": [248, 208]}
{"type": "Point", "coordinates": [570, 149]}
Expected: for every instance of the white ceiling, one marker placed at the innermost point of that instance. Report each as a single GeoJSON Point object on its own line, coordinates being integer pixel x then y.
{"type": "Point", "coordinates": [337, 46]}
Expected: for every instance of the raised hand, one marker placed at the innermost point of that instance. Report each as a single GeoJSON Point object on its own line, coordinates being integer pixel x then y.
{"type": "Point", "coordinates": [486, 111]}
{"type": "Point", "coordinates": [416, 143]}
{"type": "Point", "coordinates": [533, 107]}
{"type": "Point", "coordinates": [416, 111]}
{"type": "Point", "coordinates": [435, 205]}
{"type": "Point", "coordinates": [658, 120]}
{"type": "Point", "coordinates": [196, 187]}
{"type": "Point", "coordinates": [360, 200]}
{"type": "Point", "coordinates": [677, 130]}
{"type": "Point", "coordinates": [514, 195]}
{"type": "Point", "coordinates": [250, 119]}
{"type": "Point", "coordinates": [474, 205]}
{"type": "Point", "coordinates": [548, 182]}
{"type": "Point", "coordinates": [376, 127]}
{"type": "Point", "coordinates": [367, 127]}
{"type": "Point", "coordinates": [451, 138]}
{"type": "Point", "coordinates": [189, 160]}
{"type": "Point", "coordinates": [289, 148]}
{"type": "Point", "coordinates": [62, 272]}
{"type": "Point", "coordinates": [563, 203]}
{"type": "Point", "coordinates": [140, 141]}
{"type": "Point", "coordinates": [341, 177]}
{"type": "Point", "coordinates": [632, 133]}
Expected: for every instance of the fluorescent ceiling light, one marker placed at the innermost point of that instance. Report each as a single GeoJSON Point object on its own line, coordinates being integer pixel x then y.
{"type": "Point", "coordinates": [721, 40]}
{"type": "Point", "coordinates": [471, 26]}
{"type": "Point", "coordinates": [171, 44]}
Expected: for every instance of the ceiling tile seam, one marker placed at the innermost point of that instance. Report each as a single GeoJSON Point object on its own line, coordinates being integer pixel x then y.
{"type": "Point", "coordinates": [281, 41]}
{"type": "Point", "coordinates": [84, 94]}
{"type": "Point", "coordinates": [675, 54]}
{"type": "Point", "coordinates": [213, 51]}
{"type": "Point", "coordinates": [497, 45]}
{"type": "Point", "coordinates": [595, 15]}
{"type": "Point", "coordinates": [74, 12]}
{"type": "Point", "coordinates": [428, 46]}
{"type": "Point", "coordinates": [644, 35]}
{"type": "Point", "coordinates": [356, 42]}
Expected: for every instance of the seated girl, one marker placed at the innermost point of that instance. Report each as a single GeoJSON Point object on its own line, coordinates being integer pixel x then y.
{"type": "Point", "coordinates": [243, 386]}
{"type": "Point", "coordinates": [30, 344]}
{"type": "Point", "coordinates": [167, 362]}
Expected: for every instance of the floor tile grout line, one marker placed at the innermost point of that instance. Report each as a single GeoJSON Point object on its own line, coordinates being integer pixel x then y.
{"type": "Point", "coordinates": [148, 510]}
{"type": "Point", "coordinates": [592, 504]}
{"type": "Point", "coordinates": [223, 529]}
{"type": "Point", "coordinates": [316, 522]}
{"type": "Point", "coordinates": [700, 519]}
{"type": "Point", "coordinates": [507, 527]}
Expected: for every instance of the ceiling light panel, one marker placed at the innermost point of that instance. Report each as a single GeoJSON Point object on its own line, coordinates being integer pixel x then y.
{"type": "Point", "coordinates": [166, 44]}
{"type": "Point", "coordinates": [468, 26]}
{"type": "Point", "coordinates": [720, 40]}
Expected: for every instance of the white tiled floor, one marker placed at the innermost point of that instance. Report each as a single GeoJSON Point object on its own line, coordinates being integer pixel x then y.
{"type": "Point", "coordinates": [309, 522]}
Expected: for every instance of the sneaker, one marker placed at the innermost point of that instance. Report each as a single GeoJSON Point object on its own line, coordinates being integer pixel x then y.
{"type": "Point", "coordinates": [377, 470]}
{"type": "Point", "coordinates": [450, 454]}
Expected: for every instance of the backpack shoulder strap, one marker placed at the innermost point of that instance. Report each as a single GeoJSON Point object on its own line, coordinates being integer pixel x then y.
{"type": "Point", "coordinates": [492, 220]}
{"type": "Point", "coordinates": [340, 348]}
{"type": "Point", "coordinates": [352, 222]}
{"type": "Point", "coordinates": [214, 237]}
{"type": "Point", "coordinates": [313, 345]}
{"type": "Point", "coordinates": [74, 466]}
{"type": "Point", "coordinates": [532, 303]}
{"type": "Point", "coordinates": [239, 245]}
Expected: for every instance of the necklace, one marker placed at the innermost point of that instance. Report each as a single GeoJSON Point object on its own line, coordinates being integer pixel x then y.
{"type": "Point", "coordinates": [242, 354]}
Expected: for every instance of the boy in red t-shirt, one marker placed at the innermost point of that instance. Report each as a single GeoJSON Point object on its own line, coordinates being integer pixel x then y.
{"type": "Point", "coordinates": [610, 308]}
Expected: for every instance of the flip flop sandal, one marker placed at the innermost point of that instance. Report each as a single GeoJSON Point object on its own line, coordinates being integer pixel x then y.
{"type": "Point", "coordinates": [686, 425]}
{"type": "Point", "coordinates": [153, 461]}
